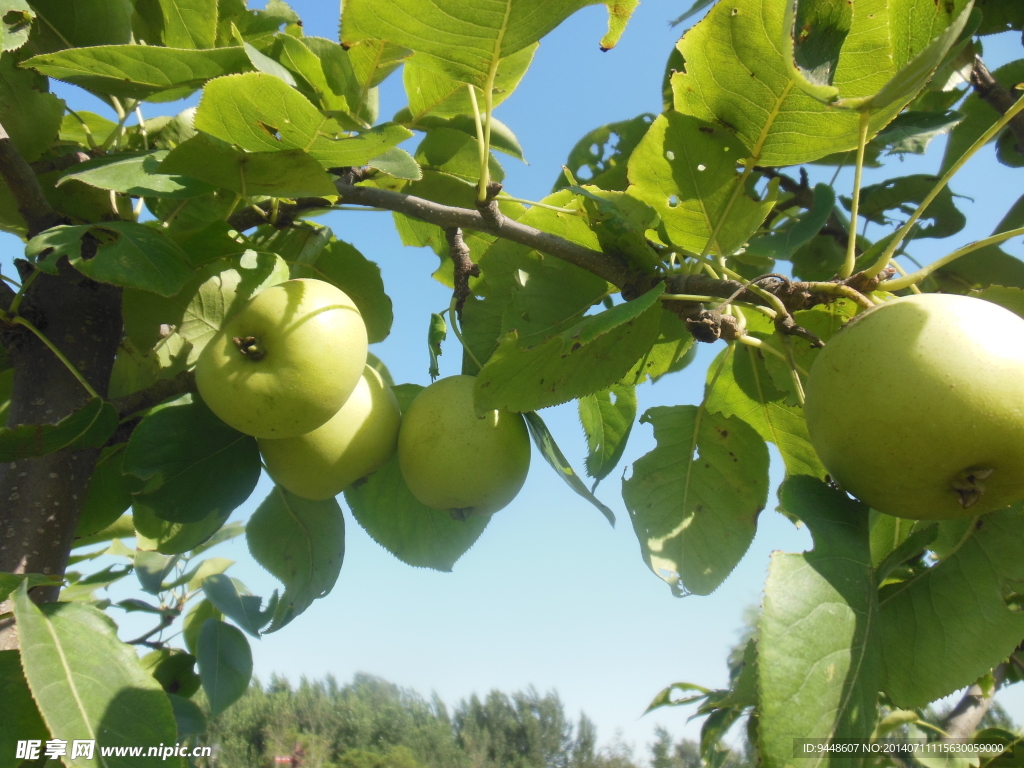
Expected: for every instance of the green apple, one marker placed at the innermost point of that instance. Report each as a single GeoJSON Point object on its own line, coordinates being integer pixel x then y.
{"type": "Point", "coordinates": [916, 407]}
{"type": "Point", "coordinates": [286, 362]}
{"type": "Point", "coordinates": [359, 439]}
{"type": "Point", "coordinates": [455, 460]}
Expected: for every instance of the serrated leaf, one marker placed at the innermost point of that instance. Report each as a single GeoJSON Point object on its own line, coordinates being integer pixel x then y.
{"type": "Point", "coordinates": [19, 717]}
{"type": "Point", "coordinates": [88, 427]}
{"type": "Point", "coordinates": [194, 463]}
{"type": "Point", "coordinates": [607, 418]}
{"type": "Point", "coordinates": [744, 389]}
{"type": "Point", "coordinates": [466, 41]}
{"type": "Point", "coordinates": [189, 23]}
{"type": "Point", "coordinates": [585, 358]}
{"type": "Point", "coordinates": [553, 455]}
{"type": "Point", "coordinates": [953, 599]}
{"type": "Point", "coordinates": [243, 609]}
{"type": "Point", "coordinates": [414, 533]}
{"type": "Point", "coordinates": [87, 683]}
{"type": "Point", "coordinates": [818, 645]}
{"type": "Point", "coordinates": [739, 74]}
{"type": "Point", "coordinates": [225, 664]}
{"type": "Point", "coordinates": [30, 115]}
{"type": "Point", "coordinates": [136, 175]}
{"type": "Point", "coordinates": [686, 170]}
{"type": "Point", "coordinates": [695, 499]}
{"type": "Point", "coordinates": [15, 24]}
{"type": "Point", "coordinates": [436, 334]}
{"type": "Point", "coordinates": [431, 92]}
{"type": "Point", "coordinates": [140, 71]}
{"type": "Point", "coordinates": [343, 266]}
{"type": "Point", "coordinates": [285, 173]}
{"type": "Point", "coordinates": [300, 542]}
{"type": "Point", "coordinates": [260, 113]}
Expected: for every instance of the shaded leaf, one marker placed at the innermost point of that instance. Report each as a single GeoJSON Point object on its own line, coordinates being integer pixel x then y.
{"type": "Point", "coordinates": [243, 609]}
{"type": "Point", "coordinates": [437, 333]}
{"type": "Point", "coordinates": [136, 175]}
{"type": "Point", "coordinates": [30, 115]}
{"type": "Point", "coordinates": [600, 158]}
{"type": "Point", "coordinates": [87, 683]}
{"type": "Point", "coordinates": [782, 243]}
{"type": "Point", "coordinates": [88, 427]}
{"type": "Point", "coordinates": [15, 24]}
{"type": "Point", "coordinates": [607, 418]}
{"type": "Point", "coordinates": [109, 493]}
{"type": "Point", "coordinates": [818, 644]}
{"type": "Point", "coordinates": [19, 717]}
{"type": "Point", "coordinates": [189, 23]}
{"type": "Point", "coordinates": [694, 500]}
{"type": "Point", "coordinates": [225, 664]}
{"type": "Point", "coordinates": [300, 542]}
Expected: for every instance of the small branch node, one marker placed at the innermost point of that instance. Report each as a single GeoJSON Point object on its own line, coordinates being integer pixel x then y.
{"type": "Point", "coordinates": [464, 266]}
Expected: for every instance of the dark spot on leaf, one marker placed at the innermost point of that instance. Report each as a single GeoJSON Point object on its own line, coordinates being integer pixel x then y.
{"type": "Point", "coordinates": [705, 129]}
{"type": "Point", "coordinates": [575, 346]}
{"type": "Point", "coordinates": [699, 508]}
{"type": "Point", "coordinates": [978, 525]}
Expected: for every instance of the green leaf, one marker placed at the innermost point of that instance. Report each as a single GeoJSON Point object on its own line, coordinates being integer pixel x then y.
{"type": "Point", "coordinates": [15, 24]}
{"type": "Point", "coordinates": [694, 500]}
{"type": "Point", "coordinates": [119, 529]}
{"type": "Point", "coordinates": [450, 151]}
{"type": "Point", "coordinates": [19, 717]}
{"type": "Point", "coordinates": [502, 138]}
{"type": "Point", "coordinates": [268, 66]}
{"type": "Point", "coordinates": [437, 333]}
{"type": "Point", "coordinates": [194, 463]}
{"type": "Point", "coordinates": [818, 645]}
{"type": "Point", "coordinates": [136, 175]}
{"type": "Point", "coordinates": [261, 113]}
{"type": "Point", "coordinates": [87, 683]}
{"type": "Point", "coordinates": [194, 621]}
{"type": "Point", "coordinates": [601, 156]}
{"type": "Point", "coordinates": [225, 664]}
{"type": "Point", "coordinates": [545, 443]}
{"type": "Point", "coordinates": [109, 493]}
{"type": "Point", "coordinates": [151, 568]}
{"type": "Point", "coordinates": [412, 532]}
{"type": "Point", "coordinates": [590, 356]}
{"type": "Point", "coordinates": [912, 132]}
{"type": "Point", "coordinates": [174, 671]}
{"type": "Point", "coordinates": [978, 116]}
{"type": "Point", "coordinates": [744, 389]}
{"type": "Point", "coordinates": [783, 243]}
{"type": "Point", "coordinates": [935, 616]}
{"type": "Point", "coordinates": [607, 418]}
{"type": "Point", "coordinates": [11, 581]}
{"type": "Point", "coordinates": [738, 74]}
{"type": "Point", "coordinates": [1009, 298]}
{"type": "Point", "coordinates": [173, 538]}
{"type": "Point", "coordinates": [225, 293]}
{"type": "Point", "coordinates": [686, 170]}
{"type": "Point", "coordinates": [900, 192]}
{"type": "Point", "coordinates": [673, 350]}
{"type": "Point", "coordinates": [140, 71]}
{"type": "Point", "coordinates": [300, 542]}
{"type": "Point", "coordinates": [986, 266]}
{"type": "Point", "coordinates": [398, 163]}
{"type": "Point", "coordinates": [431, 92]}
{"type": "Point", "coordinates": [243, 609]}
{"type": "Point", "coordinates": [189, 23]}
{"type": "Point", "coordinates": [343, 266]}
{"type": "Point", "coordinates": [88, 427]}
{"type": "Point", "coordinates": [126, 254]}
{"type": "Point", "coordinates": [187, 716]}
{"type": "Point", "coordinates": [30, 115]}
{"type": "Point", "coordinates": [81, 23]}
{"type": "Point", "coordinates": [285, 173]}
{"type": "Point", "coordinates": [465, 41]}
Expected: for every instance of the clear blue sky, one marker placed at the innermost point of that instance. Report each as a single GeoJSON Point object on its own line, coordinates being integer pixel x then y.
{"type": "Point", "coordinates": [550, 596]}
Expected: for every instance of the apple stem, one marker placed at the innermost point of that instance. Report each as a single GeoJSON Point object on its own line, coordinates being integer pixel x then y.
{"type": "Point", "coordinates": [250, 347]}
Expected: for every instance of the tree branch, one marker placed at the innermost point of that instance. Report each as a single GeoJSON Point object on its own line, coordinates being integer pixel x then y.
{"type": "Point", "coordinates": [996, 96]}
{"type": "Point", "coordinates": [966, 716]}
{"type": "Point", "coordinates": [24, 186]}
{"type": "Point", "coordinates": [155, 394]}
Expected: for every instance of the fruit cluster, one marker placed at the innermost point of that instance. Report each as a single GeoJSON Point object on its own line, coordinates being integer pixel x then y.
{"type": "Point", "coordinates": [290, 369]}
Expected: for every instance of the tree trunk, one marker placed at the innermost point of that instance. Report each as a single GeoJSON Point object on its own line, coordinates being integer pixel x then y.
{"type": "Point", "coordinates": [41, 499]}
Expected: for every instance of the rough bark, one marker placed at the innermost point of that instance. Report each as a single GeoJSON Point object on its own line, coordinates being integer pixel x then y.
{"type": "Point", "coordinates": [41, 499]}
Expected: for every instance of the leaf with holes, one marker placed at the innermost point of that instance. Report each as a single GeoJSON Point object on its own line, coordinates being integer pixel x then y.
{"type": "Point", "coordinates": [300, 542]}
{"type": "Point", "coordinates": [694, 500]}
{"type": "Point", "coordinates": [87, 684]}
{"type": "Point", "coordinates": [818, 649]}
{"type": "Point", "coordinates": [589, 356]}
{"type": "Point", "coordinates": [686, 170]}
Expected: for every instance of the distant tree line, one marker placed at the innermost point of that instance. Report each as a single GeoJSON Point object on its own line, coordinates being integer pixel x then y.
{"type": "Point", "coordinates": [371, 723]}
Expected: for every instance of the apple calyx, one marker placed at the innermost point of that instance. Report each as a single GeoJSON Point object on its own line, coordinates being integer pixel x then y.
{"type": "Point", "coordinates": [250, 347]}
{"type": "Point", "coordinates": [968, 485]}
